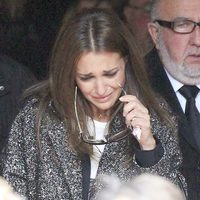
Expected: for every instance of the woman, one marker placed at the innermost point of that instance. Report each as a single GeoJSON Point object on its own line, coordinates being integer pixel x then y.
{"type": "Point", "coordinates": [79, 123]}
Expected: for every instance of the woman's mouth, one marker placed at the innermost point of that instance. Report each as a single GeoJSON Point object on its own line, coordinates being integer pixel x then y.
{"type": "Point", "coordinates": [102, 99]}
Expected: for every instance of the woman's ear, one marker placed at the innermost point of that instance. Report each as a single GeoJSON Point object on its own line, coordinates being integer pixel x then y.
{"type": "Point", "coordinates": [154, 32]}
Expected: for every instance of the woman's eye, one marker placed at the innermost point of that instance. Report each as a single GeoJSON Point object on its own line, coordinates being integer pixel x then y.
{"type": "Point", "coordinates": [85, 78]}
{"type": "Point", "coordinates": [111, 74]}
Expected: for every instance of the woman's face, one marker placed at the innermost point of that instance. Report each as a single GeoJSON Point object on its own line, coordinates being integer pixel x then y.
{"type": "Point", "coordinates": [98, 77]}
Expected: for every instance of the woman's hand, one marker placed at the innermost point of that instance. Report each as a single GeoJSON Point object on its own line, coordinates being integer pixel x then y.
{"type": "Point", "coordinates": [137, 116]}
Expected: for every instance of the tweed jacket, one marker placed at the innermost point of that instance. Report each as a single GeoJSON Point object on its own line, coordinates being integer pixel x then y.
{"type": "Point", "coordinates": [56, 175]}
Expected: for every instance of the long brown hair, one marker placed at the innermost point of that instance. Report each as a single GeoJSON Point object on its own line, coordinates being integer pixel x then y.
{"type": "Point", "coordinates": [95, 30]}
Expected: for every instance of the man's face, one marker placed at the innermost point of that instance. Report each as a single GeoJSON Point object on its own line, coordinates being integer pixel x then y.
{"type": "Point", "coordinates": [137, 14]}
{"type": "Point", "coordinates": [180, 53]}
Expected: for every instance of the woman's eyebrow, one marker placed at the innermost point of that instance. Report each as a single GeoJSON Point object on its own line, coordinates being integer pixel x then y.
{"type": "Point", "coordinates": [88, 74]}
{"type": "Point", "coordinates": [111, 70]}
{"type": "Point", "coordinates": [104, 71]}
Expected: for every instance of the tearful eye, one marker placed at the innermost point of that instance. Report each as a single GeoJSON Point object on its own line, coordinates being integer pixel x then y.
{"type": "Point", "coordinates": [85, 78]}
{"type": "Point", "coordinates": [110, 74]}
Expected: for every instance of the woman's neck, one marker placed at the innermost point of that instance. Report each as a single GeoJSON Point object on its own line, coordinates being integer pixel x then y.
{"type": "Point", "coordinates": [102, 116]}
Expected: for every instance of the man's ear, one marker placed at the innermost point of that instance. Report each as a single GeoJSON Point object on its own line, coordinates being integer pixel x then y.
{"type": "Point", "coordinates": [154, 32]}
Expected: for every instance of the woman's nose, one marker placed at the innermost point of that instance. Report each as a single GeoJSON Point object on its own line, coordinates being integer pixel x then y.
{"type": "Point", "coordinates": [100, 88]}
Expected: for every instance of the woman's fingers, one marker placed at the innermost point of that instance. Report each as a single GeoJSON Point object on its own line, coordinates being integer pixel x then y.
{"type": "Point", "coordinates": [138, 119]}
{"type": "Point", "coordinates": [132, 103]}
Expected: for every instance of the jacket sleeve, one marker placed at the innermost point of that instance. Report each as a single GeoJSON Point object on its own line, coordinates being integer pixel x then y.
{"type": "Point", "coordinates": [171, 160]}
{"type": "Point", "coordinates": [21, 150]}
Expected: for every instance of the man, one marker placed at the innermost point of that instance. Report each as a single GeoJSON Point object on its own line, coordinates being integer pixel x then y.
{"type": "Point", "coordinates": [175, 61]}
{"type": "Point", "coordinates": [14, 79]}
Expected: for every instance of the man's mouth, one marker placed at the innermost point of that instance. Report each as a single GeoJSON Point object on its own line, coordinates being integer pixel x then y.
{"type": "Point", "coordinates": [194, 58]}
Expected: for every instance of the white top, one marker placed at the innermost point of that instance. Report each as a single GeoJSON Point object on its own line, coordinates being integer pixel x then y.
{"type": "Point", "coordinates": [176, 86]}
{"type": "Point", "coordinates": [96, 128]}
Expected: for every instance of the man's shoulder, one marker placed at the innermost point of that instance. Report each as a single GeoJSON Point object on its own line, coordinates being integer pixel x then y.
{"type": "Point", "coordinates": [10, 67]}
{"type": "Point", "coordinates": [14, 76]}
{"type": "Point", "coordinates": [152, 59]}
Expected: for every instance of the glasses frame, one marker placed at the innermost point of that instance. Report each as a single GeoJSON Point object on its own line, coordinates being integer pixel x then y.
{"type": "Point", "coordinates": [113, 138]}
{"type": "Point", "coordinates": [171, 25]}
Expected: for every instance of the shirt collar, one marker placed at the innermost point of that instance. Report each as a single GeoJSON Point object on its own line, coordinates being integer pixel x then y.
{"type": "Point", "coordinates": [175, 83]}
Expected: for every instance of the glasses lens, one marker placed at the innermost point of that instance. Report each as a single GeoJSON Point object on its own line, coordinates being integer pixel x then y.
{"type": "Point", "coordinates": [185, 26]}
{"type": "Point", "coordinates": [119, 136]}
{"type": "Point", "coordinates": [108, 139]}
{"type": "Point", "coordinates": [93, 141]}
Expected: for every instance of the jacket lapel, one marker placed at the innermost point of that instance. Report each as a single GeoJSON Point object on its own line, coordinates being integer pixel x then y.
{"type": "Point", "coordinates": [70, 165]}
{"type": "Point", "coordinates": [162, 85]}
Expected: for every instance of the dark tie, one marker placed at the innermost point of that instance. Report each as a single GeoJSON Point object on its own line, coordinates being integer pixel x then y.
{"type": "Point", "coordinates": [191, 111]}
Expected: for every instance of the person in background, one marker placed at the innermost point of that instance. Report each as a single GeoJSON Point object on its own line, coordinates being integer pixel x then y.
{"type": "Point", "coordinates": [174, 69]}
{"type": "Point", "coordinates": [28, 29]}
{"type": "Point", "coordinates": [95, 114]}
{"type": "Point", "coordinates": [18, 38]}
{"type": "Point", "coordinates": [143, 187]}
{"type": "Point", "coordinates": [137, 14]}
{"type": "Point", "coordinates": [14, 79]}
{"type": "Point", "coordinates": [79, 5]}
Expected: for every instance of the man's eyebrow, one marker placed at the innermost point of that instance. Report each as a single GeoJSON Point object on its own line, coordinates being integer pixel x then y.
{"type": "Point", "coordinates": [180, 19]}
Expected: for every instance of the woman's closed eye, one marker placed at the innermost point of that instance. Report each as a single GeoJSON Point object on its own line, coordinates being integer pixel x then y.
{"type": "Point", "coordinates": [86, 77]}
{"type": "Point", "coordinates": [110, 74]}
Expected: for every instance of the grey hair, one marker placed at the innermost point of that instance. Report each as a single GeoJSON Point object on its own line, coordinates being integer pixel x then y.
{"type": "Point", "coordinates": [154, 14]}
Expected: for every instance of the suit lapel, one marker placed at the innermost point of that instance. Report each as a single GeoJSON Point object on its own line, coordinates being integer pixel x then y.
{"type": "Point", "coordinates": [162, 85]}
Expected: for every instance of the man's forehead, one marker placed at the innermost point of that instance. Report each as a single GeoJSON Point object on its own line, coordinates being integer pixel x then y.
{"type": "Point", "coordinates": [172, 9]}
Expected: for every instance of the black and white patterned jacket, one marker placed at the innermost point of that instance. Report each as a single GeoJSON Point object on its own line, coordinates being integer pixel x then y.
{"type": "Point", "coordinates": [57, 175]}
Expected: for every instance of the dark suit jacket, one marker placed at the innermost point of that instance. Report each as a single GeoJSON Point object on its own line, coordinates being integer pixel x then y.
{"type": "Point", "coordinates": [190, 151]}
{"type": "Point", "coordinates": [14, 78]}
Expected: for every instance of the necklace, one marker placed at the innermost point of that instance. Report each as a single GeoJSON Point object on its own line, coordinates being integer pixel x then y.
{"type": "Point", "coordinates": [103, 117]}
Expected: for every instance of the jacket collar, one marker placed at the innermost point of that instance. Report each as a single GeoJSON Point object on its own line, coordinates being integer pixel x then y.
{"type": "Point", "coordinates": [161, 84]}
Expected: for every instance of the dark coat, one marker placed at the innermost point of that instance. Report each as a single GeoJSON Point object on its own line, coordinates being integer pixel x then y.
{"type": "Point", "coordinates": [190, 151]}
{"type": "Point", "coordinates": [14, 78]}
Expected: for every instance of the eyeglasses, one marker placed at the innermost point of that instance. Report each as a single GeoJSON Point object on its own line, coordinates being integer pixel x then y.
{"type": "Point", "coordinates": [180, 26]}
{"type": "Point", "coordinates": [109, 138]}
